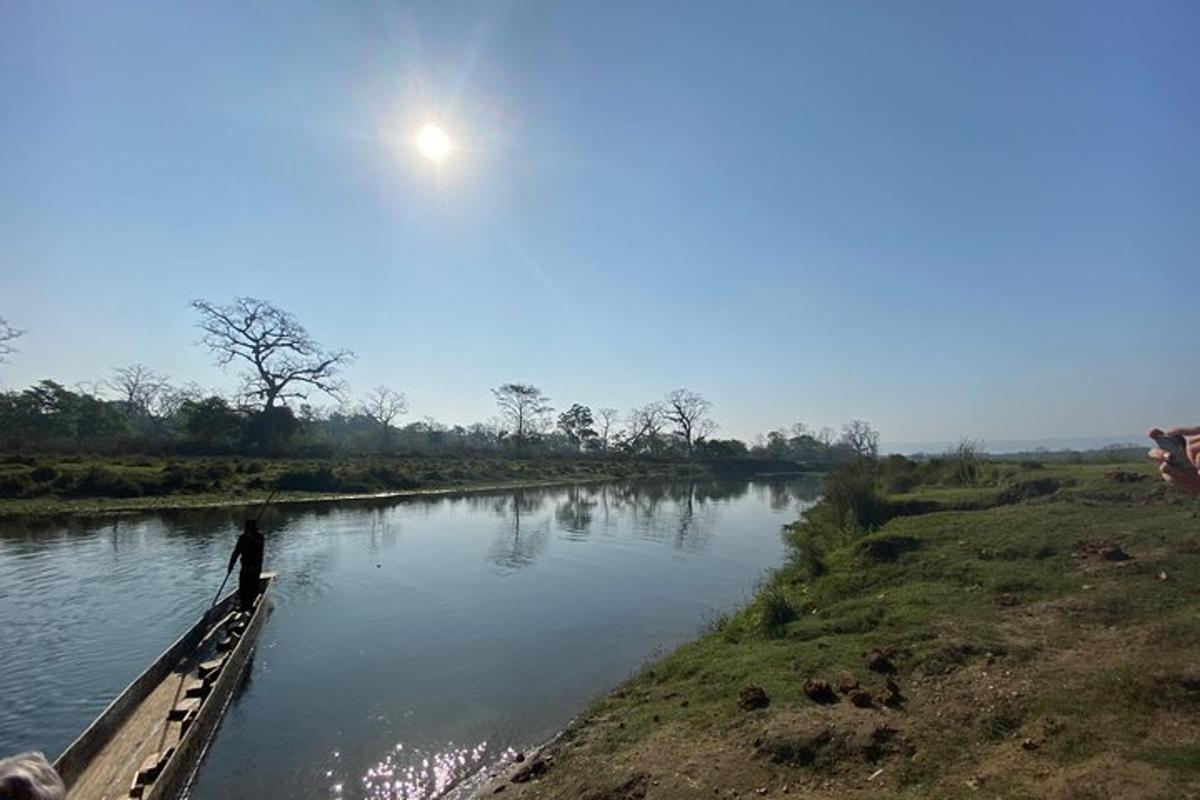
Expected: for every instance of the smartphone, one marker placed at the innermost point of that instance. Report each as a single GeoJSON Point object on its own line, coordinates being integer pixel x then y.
{"type": "Point", "coordinates": [1174, 446]}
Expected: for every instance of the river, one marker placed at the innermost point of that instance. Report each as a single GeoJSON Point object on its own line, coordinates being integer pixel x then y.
{"type": "Point", "coordinates": [409, 642]}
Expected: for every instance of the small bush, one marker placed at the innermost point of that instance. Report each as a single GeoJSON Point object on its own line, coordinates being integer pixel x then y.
{"type": "Point", "coordinates": [775, 614]}
{"type": "Point", "coordinates": [854, 497]}
{"type": "Point", "coordinates": [217, 471]}
{"type": "Point", "coordinates": [14, 485]}
{"type": "Point", "coordinates": [44, 473]}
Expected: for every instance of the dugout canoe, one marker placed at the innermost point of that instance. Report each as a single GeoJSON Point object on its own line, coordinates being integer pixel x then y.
{"type": "Point", "coordinates": [149, 741]}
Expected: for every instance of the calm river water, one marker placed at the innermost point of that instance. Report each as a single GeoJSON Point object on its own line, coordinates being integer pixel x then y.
{"type": "Point", "coordinates": [409, 643]}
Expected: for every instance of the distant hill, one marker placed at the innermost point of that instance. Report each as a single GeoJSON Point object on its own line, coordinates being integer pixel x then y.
{"type": "Point", "coordinates": [1003, 446]}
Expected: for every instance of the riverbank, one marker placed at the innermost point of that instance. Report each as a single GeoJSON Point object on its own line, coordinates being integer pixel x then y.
{"type": "Point", "coordinates": [1036, 636]}
{"type": "Point", "coordinates": [47, 486]}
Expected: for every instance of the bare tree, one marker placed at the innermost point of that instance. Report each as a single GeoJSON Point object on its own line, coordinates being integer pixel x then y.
{"type": "Point", "coordinates": [523, 408]}
{"type": "Point", "coordinates": [688, 411]}
{"type": "Point", "coordinates": [8, 335]}
{"type": "Point", "coordinates": [170, 399]}
{"type": "Point", "coordinates": [860, 437]}
{"type": "Point", "coordinates": [643, 427]}
{"type": "Point", "coordinates": [826, 436]}
{"type": "Point", "coordinates": [606, 420]}
{"type": "Point", "coordinates": [383, 405]}
{"type": "Point", "coordinates": [283, 357]}
{"type": "Point", "coordinates": [139, 387]}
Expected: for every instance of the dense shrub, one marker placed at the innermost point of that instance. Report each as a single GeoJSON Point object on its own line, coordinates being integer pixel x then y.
{"type": "Point", "coordinates": [313, 479]}
{"type": "Point", "coordinates": [855, 499]}
{"type": "Point", "coordinates": [103, 482]}
{"type": "Point", "coordinates": [14, 484]}
{"type": "Point", "coordinates": [44, 473]}
{"type": "Point", "coordinates": [775, 613]}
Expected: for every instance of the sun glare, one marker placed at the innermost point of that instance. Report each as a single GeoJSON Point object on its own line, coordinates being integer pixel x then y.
{"type": "Point", "coordinates": [433, 143]}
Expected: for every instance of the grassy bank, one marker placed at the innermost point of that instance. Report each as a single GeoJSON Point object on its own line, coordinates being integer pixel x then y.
{"type": "Point", "coordinates": [72, 484]}
{"type": "Point", "coordinates": [1033, 631]}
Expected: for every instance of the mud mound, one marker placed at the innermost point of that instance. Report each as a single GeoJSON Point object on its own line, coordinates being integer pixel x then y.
{"type": "Point", "coordinates": [1102, 549]}
{"type": "Point", "coordinates": [831, 748]}
{"type": "Point", "coordinates": [753, 697]}
{"type": "Point", "coordinates": [820, 691]}
{"type": "Point", "coordinates": [879, 659]}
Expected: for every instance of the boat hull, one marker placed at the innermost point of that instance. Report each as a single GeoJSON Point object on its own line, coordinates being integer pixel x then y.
{"type": "Point", "coordinates": [106, 759]}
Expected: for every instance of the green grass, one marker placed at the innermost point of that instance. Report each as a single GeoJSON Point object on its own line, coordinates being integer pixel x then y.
{"type": "Point", "coordinates": [73, 484]}
{"type": "Point", "coordinates": [946, 581]}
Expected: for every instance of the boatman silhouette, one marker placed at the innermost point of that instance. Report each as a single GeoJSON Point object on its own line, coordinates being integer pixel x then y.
{"type": "Point", "coordinates": [249, 549]}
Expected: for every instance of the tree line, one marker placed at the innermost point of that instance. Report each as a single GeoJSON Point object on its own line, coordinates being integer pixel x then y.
{"type": "Point", "coordinates": [281, 366]}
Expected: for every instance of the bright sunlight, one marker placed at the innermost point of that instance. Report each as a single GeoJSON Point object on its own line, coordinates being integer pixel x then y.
{"type": "Point", "coordinates": [433, 143]}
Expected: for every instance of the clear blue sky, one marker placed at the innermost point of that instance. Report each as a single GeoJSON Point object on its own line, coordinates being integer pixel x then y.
{"type": "Point", "coordinates": [946, 218]}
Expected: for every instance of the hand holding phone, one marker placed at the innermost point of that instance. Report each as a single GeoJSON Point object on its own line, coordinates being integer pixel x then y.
{"type": "Point", "coordinates": [1175, 446]}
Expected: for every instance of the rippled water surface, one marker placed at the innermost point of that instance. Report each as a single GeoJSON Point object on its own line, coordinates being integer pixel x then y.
{"type": "Point", "coordinates": [410, 642]}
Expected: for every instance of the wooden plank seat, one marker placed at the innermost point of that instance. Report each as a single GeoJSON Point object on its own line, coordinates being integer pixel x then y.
{"type": "Point", "coordinates": [212, 667]}
{"type": "Point", "coordinates": [149, 771]}
{"type": "Point", "coordinates": [187, 705]}
{"type": "Point", "coordinates": [187, 721]}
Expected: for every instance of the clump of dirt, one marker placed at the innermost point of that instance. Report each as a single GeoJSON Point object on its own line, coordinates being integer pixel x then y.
{"type": "Point", "coordinates": [890, 694]}
{"type": "Point", "coordinates": [753, 697]}
{"type": "Point", "coordinates": [862, 698]}
{"type": "Point", "coordinates": [819, 691]}
{"type": "Point", "coordinates": [1124, 476]}
{"type": "Point", "coordinates": [879, 659]}
{"type": "Point", "coordinates": [1103, 549]}
{"type": "Point", "coordinates": [1007, 599]}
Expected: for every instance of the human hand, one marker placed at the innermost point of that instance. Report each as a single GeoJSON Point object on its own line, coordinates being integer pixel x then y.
{"type": "Point", "coordinates": [1185, 477]}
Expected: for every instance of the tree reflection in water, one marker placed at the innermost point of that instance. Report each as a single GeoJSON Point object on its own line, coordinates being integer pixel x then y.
{"type": "Point", "coordinates": [521, 540]}
{"type": "Point", "coordinates": [683, 514]}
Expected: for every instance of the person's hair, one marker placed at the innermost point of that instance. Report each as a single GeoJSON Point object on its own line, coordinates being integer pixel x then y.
{"type": "Point", "coordinates": [29, 776]}
{"type": "Point", "coordinates": [251, 526]}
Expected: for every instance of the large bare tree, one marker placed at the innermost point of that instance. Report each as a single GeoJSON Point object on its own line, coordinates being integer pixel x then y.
{"type": "Point", "coordinates": [383, 405]}
{"type": "Point", "coordinates": [643, 427]}
{"type": "Point", "coordinates": [688, 412]}
{"type": "Point", "coordinates": [284, 360]}
{"type": "Point", "coordinates": [139, 387]}
{"type": "Point", "coordinates": [8, 335]}
{"type": "Point", "coordinates": [524, 409]}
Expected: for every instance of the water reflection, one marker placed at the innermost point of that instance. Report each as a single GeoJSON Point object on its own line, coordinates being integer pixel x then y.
{"type": "Point", "coordinates": [416, 775]}
{"type": "Point", "coordinates": [574, 513]}
{"type": "Point", "coordinates": [518, 546]}
{"type": "Point", "coordinates": [417, 621]}
{"type": "Point", "coordinates": [682, 513]}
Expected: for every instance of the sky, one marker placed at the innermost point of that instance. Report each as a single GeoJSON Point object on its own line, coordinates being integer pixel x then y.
{"type": "Point", "coordinates": [946, 218]}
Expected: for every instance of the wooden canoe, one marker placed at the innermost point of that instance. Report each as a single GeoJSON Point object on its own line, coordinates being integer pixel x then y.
{"type": "Point", "coordinates": [149, 741]}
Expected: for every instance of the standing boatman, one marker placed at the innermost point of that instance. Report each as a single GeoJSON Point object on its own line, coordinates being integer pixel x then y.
{"type": "Point", "coordinates": [250, 549]}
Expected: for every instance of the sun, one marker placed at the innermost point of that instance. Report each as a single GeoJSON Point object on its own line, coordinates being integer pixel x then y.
{"type": "Point", "coordinates": [433, 142]}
